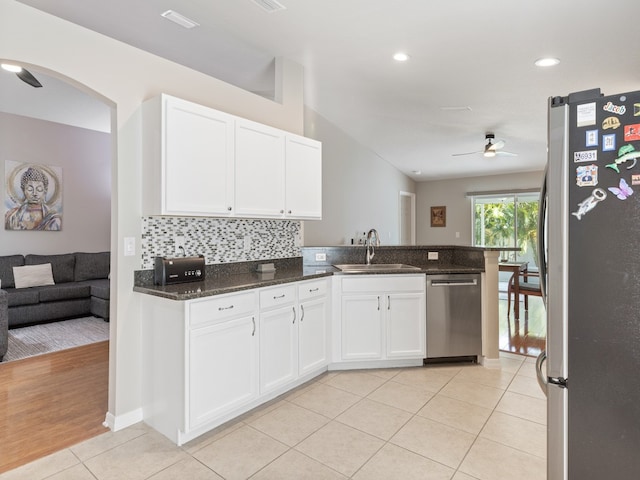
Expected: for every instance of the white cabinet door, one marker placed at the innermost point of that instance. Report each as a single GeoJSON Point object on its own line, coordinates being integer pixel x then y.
{"type": "Point", "coordinates": [303, 178]}
{"type": "Point", "coordinates": [278, 348]}
{"type": "Point", "coordinates": [312, 335]}
{"type": "Point", "coordinates": [223, 368]}
{"type": "Point", "coordinates": [361, 327]}
{"type": "Point", "coordinates": [198, 155]}
{"type": "Point", "coordinates": [406, 325]}
{"type": "Point", "coordinates": [259, 170]}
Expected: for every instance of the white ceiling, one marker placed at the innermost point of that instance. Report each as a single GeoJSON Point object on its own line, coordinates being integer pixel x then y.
{"type": "Point", "coordinates": [464, 53]}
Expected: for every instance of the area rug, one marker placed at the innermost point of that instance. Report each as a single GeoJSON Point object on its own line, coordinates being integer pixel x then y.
{"type": "Point", "coordinates": [50, 337]}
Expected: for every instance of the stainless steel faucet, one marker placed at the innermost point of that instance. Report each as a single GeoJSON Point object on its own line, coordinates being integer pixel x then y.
{"type": "Point", "coordinates": [370, 243]}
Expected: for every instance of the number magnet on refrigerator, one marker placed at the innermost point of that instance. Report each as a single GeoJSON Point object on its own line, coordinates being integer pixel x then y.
{"type": "Point", "coordinates": [590, 202]}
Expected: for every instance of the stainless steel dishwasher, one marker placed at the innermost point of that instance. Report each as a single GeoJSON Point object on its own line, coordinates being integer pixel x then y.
{"type": "Point", "coordinates": [454, 316]}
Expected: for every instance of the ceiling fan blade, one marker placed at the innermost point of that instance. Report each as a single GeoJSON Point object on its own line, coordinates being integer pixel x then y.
{"type": "Point", "coordinates": [497, 145]}
{"type": "Point", "coordinates": [506, 154]}
{"type": "Point", "coordinates": [26, 77]}
{"type": "Point", "coordinates": [461, 154]}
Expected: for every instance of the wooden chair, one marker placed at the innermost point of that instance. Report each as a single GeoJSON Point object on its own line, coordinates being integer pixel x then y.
{"type": "Point", "coordinates": [528, 284]}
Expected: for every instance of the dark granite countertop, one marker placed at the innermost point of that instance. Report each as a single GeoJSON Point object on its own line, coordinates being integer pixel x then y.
{"type": "Point", "coordinates": [218, 284]}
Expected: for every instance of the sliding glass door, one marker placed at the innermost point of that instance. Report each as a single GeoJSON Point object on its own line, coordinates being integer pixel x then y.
{"type": "Point", "coordinates": [508, 220]}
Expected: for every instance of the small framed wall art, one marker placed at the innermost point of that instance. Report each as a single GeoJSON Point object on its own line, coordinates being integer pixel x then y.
{"type": "Point", "coordinates": [438, 216]}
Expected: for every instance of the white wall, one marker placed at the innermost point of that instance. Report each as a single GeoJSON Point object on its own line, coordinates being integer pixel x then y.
{"type": "Point", "coordinates": [124, 77]}
{"type": "Point", "coordinates": [360, 190]}
{"type": "Point", "coordinates": [85, 158]}
{"type": "Point", "coordinates": [452, 194]}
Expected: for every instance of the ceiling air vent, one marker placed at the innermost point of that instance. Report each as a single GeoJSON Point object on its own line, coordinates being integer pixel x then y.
{"type": "Point", "coordinates": [269, 6]}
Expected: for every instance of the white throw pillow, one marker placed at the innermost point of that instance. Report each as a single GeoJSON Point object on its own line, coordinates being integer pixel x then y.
{"type": "Point", "coordinates": [33, 275]}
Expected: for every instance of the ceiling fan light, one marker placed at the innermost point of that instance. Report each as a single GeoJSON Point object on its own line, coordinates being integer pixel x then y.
{"type": "Point", "coordinates": [489, 153]}
{"type": "Point", "coordinates": [547, 62]}
{"type": "Point", "coordinates": [400, 57]}
{"type": "Point", "coordinates": [11, 68]}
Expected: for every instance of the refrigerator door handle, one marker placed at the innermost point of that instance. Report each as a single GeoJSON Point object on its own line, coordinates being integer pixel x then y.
{"type": "Point", "coordinates": [541, 377]}
{"type": "Point", "coordinates": [542, 253]}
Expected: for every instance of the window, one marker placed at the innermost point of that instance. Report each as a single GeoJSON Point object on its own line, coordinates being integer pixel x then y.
{"type": "Point", "coordinates": [507, 220]}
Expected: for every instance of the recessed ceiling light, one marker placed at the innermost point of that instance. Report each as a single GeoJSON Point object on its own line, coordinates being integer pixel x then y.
{"type": "Point", "coordinates": [181, 20]}
{"type": "Point", "coordinates": [401, 57]}
{"type": "Point", "coordinates": [11, 68]}
{"type": "Point", "coordinates": [547, 62]}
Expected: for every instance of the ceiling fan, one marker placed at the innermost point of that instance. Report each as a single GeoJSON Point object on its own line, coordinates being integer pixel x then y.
{"type": "Point", "coordinates": [23, 74]}
{"type": "Point", "coordinates": [491, 149]}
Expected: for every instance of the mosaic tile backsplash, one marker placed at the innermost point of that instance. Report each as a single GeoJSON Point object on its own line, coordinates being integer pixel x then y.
{"type": "Point", "coordinates": [220, 240]}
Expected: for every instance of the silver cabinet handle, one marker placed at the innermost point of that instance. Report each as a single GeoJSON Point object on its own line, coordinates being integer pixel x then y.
{"type": "Point", "coordinates": [253, 321]}
{"type": "Point", "coordinates": [281, 211]}
{"type": "Point", "coordinates": [294, 314]}
{"type": "Point", "coordinates": [302, 311]}
{"type": "Point", "coordinates": [542, 379]}
{"type": "Point", "coordinates": [229, 208]}
{"type": "Point", "coordinates": [311, 290]}
{"type": "Point", "coordinates": [225, 308]}
{"type": "Point", "coordinates": [289, 212]}
{"type": "Point", "coordinates": [279, 296]}
{"type": "Point", "coordinates": [378, 302]}
{"type": "Point", "coordinates": [388, 302]}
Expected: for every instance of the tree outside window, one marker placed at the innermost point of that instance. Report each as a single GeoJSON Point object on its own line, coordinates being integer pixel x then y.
{"type": "Point", "coordinates": [508, 220]}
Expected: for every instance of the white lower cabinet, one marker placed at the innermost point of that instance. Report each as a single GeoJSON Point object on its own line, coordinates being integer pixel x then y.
{"type": "Point", "coordinates": [278, 338]}
{"type": "Point", "coordinates": [223, 354]}
{"type": "Point", "coordinates": [208, 360]}
{"type": "Point", "coordinates": [381, 318]}
{"type": "Point", "coordinates": [293, 333]}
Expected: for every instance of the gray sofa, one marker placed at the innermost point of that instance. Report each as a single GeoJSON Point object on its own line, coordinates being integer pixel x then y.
{"type": "Point", "coordinates": [4, 324]}
{"type": "Point", "coordinates": [81, 288]}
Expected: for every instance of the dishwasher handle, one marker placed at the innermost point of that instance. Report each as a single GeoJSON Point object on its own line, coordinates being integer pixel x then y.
{"type": "Point", "coordinates": [454, 283]}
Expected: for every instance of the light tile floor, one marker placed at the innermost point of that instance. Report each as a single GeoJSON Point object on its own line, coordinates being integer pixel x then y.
{"type": "Point", "coordinates": [453, 422]}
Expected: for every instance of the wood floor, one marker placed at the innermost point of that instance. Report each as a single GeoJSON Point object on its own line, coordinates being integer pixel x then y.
{"type": "Point", "coordinates": [52, 401]}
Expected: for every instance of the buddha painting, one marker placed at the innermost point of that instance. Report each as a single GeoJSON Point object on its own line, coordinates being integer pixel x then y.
{"type": "Point", "coordinates": [33, 198]}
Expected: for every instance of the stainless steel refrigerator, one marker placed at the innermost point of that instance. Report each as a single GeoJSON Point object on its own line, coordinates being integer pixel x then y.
{"type": "Point", "coordinates": [590, 239]}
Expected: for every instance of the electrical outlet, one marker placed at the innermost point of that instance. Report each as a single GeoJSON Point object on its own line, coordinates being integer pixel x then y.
{"type": "Point", "coordinates": [179, 249]}
{"type": "Point", "coordinates": [432, 256]}
{"type": "Point", "coordinates": [321, 257]}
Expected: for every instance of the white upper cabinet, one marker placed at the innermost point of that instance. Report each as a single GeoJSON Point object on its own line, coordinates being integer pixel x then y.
{"type": "Point", "coordinates": [189, 155]}
{"type": "Point", "coordinates": [303, 193]}
{"type": "Point", "coordinates": [202, 162]}
{"type": "Point", "coordinates": [259, 170]}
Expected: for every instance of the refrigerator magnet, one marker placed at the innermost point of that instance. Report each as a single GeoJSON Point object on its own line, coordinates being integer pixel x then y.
{"type": "Point", "coordinates": [623, 190]}
{"type": "Point", "coordinates": [587, 175]}
{"type": "Point", "coordinates": [635, 179]}
{"type": "Point", "coordinates": [609, 142]}
{"type": "Point", "coordinates": [625, 153]}
{"type": "Point", "coordinates": [632, 132]}
{"type": "Point", "coordinates": [590, 202]}
{"type": "Point", "coordinates": [591, 139]}
{"type": "Point", "coordinates": [586, 114]}
{"type": "Point", "coordinates": [610, 123]}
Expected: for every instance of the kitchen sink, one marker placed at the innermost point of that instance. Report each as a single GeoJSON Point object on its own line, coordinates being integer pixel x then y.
{"type": "Point", "coordinates": [374, 267]}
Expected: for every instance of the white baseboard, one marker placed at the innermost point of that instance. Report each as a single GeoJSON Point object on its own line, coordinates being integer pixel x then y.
{"type": "Point", "coordinates": [119, 422]}
{"type": "Point", "coordinates": [490, 362]}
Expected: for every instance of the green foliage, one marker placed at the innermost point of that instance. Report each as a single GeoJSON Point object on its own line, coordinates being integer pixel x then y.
{"type": "Point", "coordinates": [498, 221]}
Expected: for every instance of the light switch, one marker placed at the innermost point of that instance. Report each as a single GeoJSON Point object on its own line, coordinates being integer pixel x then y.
{"type": "Point", "coordinates": [129, 246]}
{"type": "Point", "coordinates": [321, 257]}
{"type": "Point", "coordinates": [432, 256]}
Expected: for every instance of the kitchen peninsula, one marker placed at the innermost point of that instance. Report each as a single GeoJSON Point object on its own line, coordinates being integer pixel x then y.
{"type": "Point", "coordinates": [217, 348]}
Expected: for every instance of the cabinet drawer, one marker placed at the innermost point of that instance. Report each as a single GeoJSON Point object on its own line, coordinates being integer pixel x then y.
{"type": "Point", "coordinates": [273, 297]}
{"type": "Point", "coordinates": [316, 288]}
{"type": "Point", "coordinates": [216, 309]}
{"type": "Point", "coordinates": [377, 283]}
